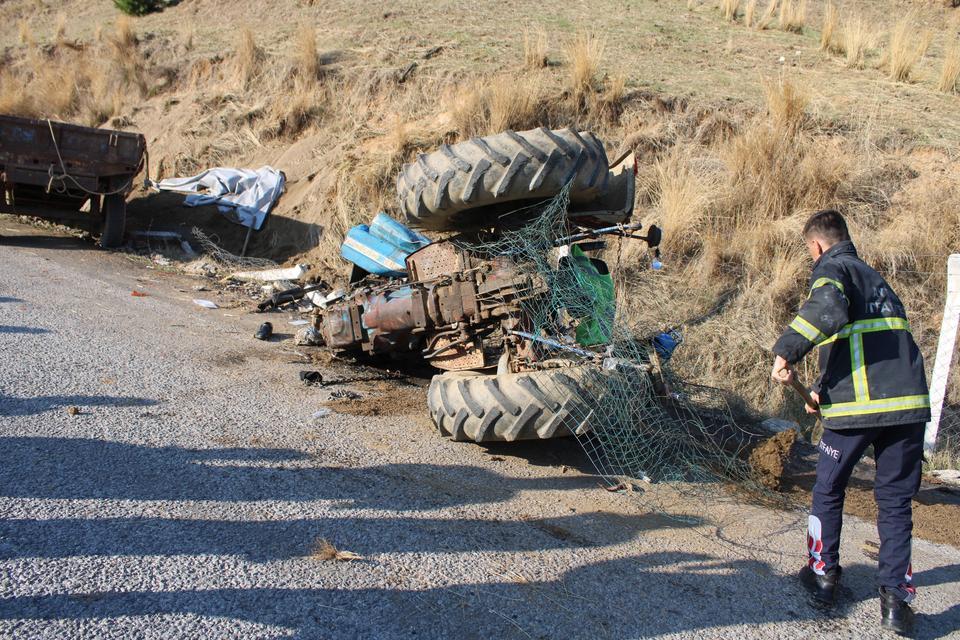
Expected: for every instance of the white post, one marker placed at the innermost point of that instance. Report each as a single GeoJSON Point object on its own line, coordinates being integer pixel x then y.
{"type": "Point", "coordinates": [941, 366]}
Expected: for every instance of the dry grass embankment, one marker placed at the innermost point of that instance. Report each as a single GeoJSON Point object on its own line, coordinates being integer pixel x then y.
{"type": "Point", "coordinates": [731, 182]}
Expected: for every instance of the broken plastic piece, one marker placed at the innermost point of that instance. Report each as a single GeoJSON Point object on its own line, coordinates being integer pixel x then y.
{"type": "Point", "coordinates": [206, 304]}
{"type": "Point", "coordinates": [138, 294]}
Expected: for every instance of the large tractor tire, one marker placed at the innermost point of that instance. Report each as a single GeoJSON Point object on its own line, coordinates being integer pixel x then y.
{"type": "Point", "coordinates": [468, 184]}
{"type": "Point", "coordinates": [467, 405]}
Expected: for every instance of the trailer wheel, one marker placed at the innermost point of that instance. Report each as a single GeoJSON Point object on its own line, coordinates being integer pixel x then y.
{"type": "Point", "coordinates": [468, 184]}
{"type": "Point", "coordinates": [467, 405]}
{"type": "Point", "coordinates": [114, 219]}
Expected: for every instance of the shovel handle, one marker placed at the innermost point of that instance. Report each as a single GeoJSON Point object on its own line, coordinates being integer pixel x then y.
{"type": "Point", "coordinates": [804, 393]}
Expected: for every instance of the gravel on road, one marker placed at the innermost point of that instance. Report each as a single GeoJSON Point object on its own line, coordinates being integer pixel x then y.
{"type": "Point", "coordinates": [188, 492]}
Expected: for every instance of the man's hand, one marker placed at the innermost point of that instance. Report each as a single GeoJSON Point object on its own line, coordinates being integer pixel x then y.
{"type": "Point", "coordinates": [816, 398]}
{"type": "Point", "coordinates": [782, 371]}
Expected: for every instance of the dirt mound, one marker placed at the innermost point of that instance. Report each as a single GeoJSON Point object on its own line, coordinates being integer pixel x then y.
{"type": "Point", "coordinates": [770, 457]}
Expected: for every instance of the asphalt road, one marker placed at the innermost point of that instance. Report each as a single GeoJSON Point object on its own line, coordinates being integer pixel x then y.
{"type": "Point", "coordinates": [186, 497]}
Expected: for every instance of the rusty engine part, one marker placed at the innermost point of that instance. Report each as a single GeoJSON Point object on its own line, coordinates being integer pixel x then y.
{"type": "Point", "coordinates": [451, 312]}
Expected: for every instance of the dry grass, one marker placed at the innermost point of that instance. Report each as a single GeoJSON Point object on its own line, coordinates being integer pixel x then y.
{"type": "Point", "coordinates": [681, 197]}
{"type": "Point", "coordinates": [749, 13]}
{"type": "Point", "coordinates": [25, 33]}
{"type": "Point", "coordinates": [729, 9]}
{"type": "Point", "coordinates": [324, 550]}
{"type": "Point", "coordinates": [857, 38]}
{"type": "Point", "coordinates": [829, 32]}
{"type": "Point", "coordinates": [950, 70]}
{"type": "Point", "coordinates": [766, 19]}
{"type": "Point", "coordinates": [535, 48]}
{"type": "Point", "coordinates": [908, 44]}
{"type": "Point", "coordinates": [514, 104]}
{"type": "Point", "coordinates": [60, 29]}
{"type": "Point", "coordinates": [585, 54]}
{"type": "Point", "coordinates": [793, 15]}
{"type": "Point", "coordinates": [786, 103]}
{"type": "Point", "coordinates": [307, 60]}
{"type": "Point", "coordinates": [247, 59]}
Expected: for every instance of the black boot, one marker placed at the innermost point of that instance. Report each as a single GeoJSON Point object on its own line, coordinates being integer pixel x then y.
{"type": "Point", "coordinates": [823, 587]}
{"type": "Point", "coordinates": [895, 614]}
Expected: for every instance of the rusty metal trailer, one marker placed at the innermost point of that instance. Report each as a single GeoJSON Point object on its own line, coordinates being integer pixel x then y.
{"type": "Point", "coordinates": [69, 173]}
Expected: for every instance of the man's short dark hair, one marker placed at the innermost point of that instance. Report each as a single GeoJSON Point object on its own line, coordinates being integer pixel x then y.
{"type": "Point", "coordinates": [827, 224]}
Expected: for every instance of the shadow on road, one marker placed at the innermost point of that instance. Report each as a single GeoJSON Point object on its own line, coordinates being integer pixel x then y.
{"type": "Point", "coordinates": [6, 328]}
{"type": "Point", "coordinates": [11, 406]}
{"type": "Point", "coordinates": [639, 596]}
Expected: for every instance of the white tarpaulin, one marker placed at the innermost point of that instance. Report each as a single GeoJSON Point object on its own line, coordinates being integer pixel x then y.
{"type": "Point", "coordinates": [244, 196]}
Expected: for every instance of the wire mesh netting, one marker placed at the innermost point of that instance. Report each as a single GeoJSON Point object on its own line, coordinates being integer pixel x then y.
{"type": "Point", "coordinates": [609, 379]}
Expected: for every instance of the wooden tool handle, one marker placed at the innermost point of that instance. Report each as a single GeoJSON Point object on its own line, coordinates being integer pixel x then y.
{"type": "Point", "coordinates": [804, 392]}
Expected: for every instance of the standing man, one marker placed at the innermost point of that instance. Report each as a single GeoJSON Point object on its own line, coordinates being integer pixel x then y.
{"type": "Point", "coordinates": [872, 390]}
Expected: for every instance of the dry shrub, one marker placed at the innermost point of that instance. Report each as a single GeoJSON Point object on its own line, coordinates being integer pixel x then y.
{"type": "Point", "coordinates": [535, 48]}
{"type": "Point", "coordinates": [585, 54]}
{"type": "Point", "coordinates": [681, 196]}
{"type": "Point", "coordinates": [908, 44]}
{"type": "Point", "coordinates": [749, 13]}
{"type": "Point", "coordinates": [13, 96]}
{"type": "Point", "coordinates": [950, 71]}
{"type": "Point", "coordinates": [487, 106]}
{"type": "Point", "coordinates": [25, 33]}
{"type": "Point", "coordinates": [307, 61]}
{"type": "Point", "coordinates": [793, 15]}
{"type": "Point", "coordinates": [767, 17]}
{"type": "Point", "coordinates": [513, 104]}
{"type": "Point", "coordinates": [248, 58]}
{"type": "Point", "coordinates": [857, 38]}
{"type": "Point", "coordinates": [786, 103]}
{"type": "Point", "coordinates": [831, 21]}
{"type": "Point", "coordinates": [123, 50]}
{"type": "Point", "coordinates": [729, 9]}
{"type": "Point", "coordinates": [60, 29]}
{"type": "Point", "coordinates": [608, 104]}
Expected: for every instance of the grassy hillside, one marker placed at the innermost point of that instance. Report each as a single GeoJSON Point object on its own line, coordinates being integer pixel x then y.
{"type": "Point", "coordinates": [746, 117]}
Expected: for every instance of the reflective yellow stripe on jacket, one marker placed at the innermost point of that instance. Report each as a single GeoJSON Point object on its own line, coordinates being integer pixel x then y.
{"type": "Point", "coordinates": [902, 403]}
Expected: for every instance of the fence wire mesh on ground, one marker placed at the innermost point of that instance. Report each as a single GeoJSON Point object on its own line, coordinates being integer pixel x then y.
{"type": "Point", "coordinates": [634, 419]}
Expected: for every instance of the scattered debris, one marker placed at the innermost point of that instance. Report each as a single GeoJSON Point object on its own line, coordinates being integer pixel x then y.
{"type": "Point", "coordinates": [161, 260]}
{"type": "Point", "coordinates": [321, 413]}
{"type": "Point", "coordinates": [138, 294]}
{"type": "Point", "coordinates": [308, 337]}
{"type": "Point", "coordinates": [73, 410]}
{"type": "Point", "coordinates": [271, 275]}
{"type": "Point", "coordinates": [299, 323]}
{"type": "Point", "coordinates": [324, 550]}
{"type": "Point", "coordinates": [769, 458]}
{"type": "Point", "coordinates": [292, 295]}
{"type": "Point", "coordinates": [497, 458]}
{"type": "Point", "coordinates": [206, 304]}
{"type": "Point", "coordinates": [345, 394]}
{"type": "Point", "coordinates": [264, 332]}
{"type": "Point", "coordinates": [311, 378]}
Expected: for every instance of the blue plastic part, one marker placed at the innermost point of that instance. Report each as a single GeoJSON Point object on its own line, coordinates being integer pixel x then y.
{"type": "Point", "coordinates": [382, 248]}
{"type": "Point", "coordinates": [397, 233]}
{"type": "Point", "coordinates": [666, 343]}
{"type": "Point", "coordinates": [372, 254]}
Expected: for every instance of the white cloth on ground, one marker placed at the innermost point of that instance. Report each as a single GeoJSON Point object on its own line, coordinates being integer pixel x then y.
{"type": "Point", "coordinates": [244, 196]}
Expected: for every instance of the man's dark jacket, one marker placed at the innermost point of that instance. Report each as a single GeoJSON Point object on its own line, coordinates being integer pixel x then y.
{"type": "Point", "coordinates": [871, 371]}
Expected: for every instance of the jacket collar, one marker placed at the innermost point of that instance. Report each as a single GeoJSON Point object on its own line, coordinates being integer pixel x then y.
{"type": "Point", "coordinates": [844, 247]}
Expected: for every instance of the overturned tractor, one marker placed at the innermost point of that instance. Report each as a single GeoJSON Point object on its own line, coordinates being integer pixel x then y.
{"type": "Point", "coordinates": [519, 360]}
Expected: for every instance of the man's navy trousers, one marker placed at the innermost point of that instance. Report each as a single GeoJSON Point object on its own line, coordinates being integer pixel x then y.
{"type": "Point", "coordinates": [898, 451]}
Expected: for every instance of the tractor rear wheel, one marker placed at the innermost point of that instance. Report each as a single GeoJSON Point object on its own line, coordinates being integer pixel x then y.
{"type": "Point", "coordinates": [467, 405]}
{"type": "Point", "coordinates": [466, 185]}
